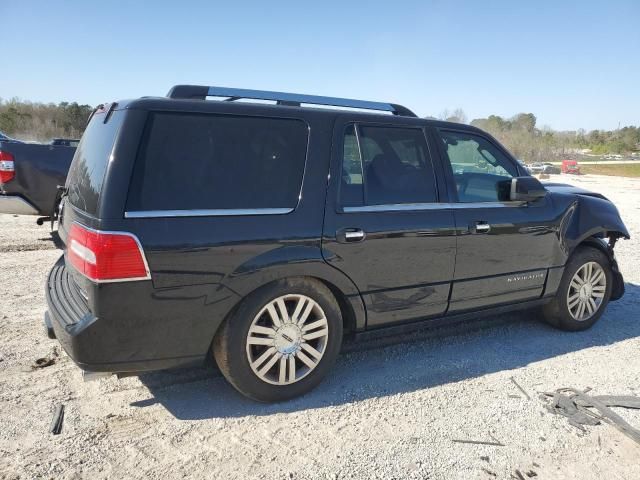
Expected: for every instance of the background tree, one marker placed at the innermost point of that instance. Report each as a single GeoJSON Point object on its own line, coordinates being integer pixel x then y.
{"type": "Point", "coordinates": [457, 116]}
{"type": "Point", "coordinates": [33, 121]}
{"type": "Point", "coordinates": [42, 121]}
{"type": "Point", "coordinates": [521, 135]}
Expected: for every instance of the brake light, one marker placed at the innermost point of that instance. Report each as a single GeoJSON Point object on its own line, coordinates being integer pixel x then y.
{"type": "Point", "coordinates": [106, 256]}
{"type": "Point", "coordinates": [7, 167]}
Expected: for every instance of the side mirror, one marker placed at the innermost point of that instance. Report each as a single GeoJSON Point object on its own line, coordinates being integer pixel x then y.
{"type": "Point", "coordinates": [526, 189]}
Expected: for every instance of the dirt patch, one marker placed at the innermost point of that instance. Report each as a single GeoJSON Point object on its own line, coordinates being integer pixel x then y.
{"type": "Point", "coordinates": [18, 247]}
{"type": "Point", "coordinates": [44, 362]}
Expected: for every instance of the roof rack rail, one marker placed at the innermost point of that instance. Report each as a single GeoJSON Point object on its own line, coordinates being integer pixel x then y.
{"type": "Point", "coordinates": [200, 92]}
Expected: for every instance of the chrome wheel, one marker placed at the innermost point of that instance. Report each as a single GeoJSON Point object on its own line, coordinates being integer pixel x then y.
{"type": "Point", "coordinates": [586, 291]}
{"type": "Point", "coordinates": [287, 339]}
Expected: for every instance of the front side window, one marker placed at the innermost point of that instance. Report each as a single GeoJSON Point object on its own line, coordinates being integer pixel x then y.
{"type": "Point", "coordinates": [482, 173]}
{"type": "Point", "coordinates": [203, 161]}
{"type": "Point", "coordinates": [388, 166]}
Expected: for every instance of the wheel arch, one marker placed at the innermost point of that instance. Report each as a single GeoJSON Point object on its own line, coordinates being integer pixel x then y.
{"type": "Point", "coordinates": [595, 241]}
{"type": "Point", "coordinates": [599, 243]}
{"type": "Point", "coordinates": [306, 262]}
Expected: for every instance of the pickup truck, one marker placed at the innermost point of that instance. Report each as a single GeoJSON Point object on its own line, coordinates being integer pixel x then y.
{"type": "Point", "coordinates": [30, 175]}
{"type": "Point", "coordinates": [5, 138]}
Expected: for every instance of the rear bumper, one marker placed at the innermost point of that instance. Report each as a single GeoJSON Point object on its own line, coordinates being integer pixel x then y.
{"type": "Point", "coordinates": [16, 205]}
{"type": "Point", "coordinates": [68, 318]}
{"type": "Point", "coordinates": [48, 326]}
{"type": "Point", "coordinates": [114, 344]}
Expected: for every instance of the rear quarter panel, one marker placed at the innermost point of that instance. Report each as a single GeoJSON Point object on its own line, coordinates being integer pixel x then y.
{"type": "Point", "coordinates": [202, 267]}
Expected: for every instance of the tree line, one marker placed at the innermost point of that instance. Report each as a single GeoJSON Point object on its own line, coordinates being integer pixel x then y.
{"type": "Point", "coordinates": [41, 122]}
{"type": "Point", "coordinates": [521, 135]}
{"type": "Point", "coordinates": [34, 121]}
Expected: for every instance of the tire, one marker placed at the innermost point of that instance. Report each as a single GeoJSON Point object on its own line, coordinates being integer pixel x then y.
{"type": "Point", "coordinates": [563, 313]}
{"type": "Point", "coordinates": [268, 362]}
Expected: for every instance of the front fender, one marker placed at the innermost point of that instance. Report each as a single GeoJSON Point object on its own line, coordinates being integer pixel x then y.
{"type": "Point", "coordinates": [590, 216]}
{"type": "Point", "coordinates": [590, 220]}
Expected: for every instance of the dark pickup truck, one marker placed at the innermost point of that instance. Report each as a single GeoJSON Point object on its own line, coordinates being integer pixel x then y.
{"type": "Point", "coordinates": [30, 175]}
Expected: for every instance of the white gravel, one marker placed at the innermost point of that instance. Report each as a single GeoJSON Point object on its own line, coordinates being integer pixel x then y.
{"type": "Point", "coordinates": [385, 413]}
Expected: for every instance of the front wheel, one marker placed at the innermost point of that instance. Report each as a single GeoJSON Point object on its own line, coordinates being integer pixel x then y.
{"type": "Point", "coordinates": [583, 293]}
{"type": "Point", "coordinates": [281, 341]}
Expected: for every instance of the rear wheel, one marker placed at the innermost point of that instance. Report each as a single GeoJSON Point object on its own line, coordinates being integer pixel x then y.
{"type": "Point", "coordinates": [583, 293]}
{"type": "Point", "coordinates": [281, 341]}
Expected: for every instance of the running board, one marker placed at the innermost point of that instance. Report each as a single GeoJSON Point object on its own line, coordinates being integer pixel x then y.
{"type": "Point", "coordinates": [412, 326]}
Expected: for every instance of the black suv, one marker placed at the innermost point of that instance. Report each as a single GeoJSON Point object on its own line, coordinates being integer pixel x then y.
{"type": "Point", "coordinates": [263, 234]}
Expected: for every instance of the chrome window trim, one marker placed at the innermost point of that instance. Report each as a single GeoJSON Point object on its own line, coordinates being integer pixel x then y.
{"type": "Point", "coordinates": [404, 207]}
{"type": "Point", "coordinates": [222, 212]}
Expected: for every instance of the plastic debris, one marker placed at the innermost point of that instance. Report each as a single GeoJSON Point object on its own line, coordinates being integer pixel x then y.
{"type": "Point", "coordinates": [58, 418]}
{"type": "Point", "coordinates": [582, 409]}
{"type": "Point", "coordinates": [520, 388]}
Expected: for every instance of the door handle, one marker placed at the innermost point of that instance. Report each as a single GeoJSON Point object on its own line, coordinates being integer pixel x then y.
{"type": "Point", "coordinates": [350, 235]}
{"type": "Point", "coordinates": [482, 227]}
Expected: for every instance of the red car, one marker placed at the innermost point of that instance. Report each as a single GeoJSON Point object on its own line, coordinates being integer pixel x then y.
{"type": "Point", "coordinates": [570, 166]}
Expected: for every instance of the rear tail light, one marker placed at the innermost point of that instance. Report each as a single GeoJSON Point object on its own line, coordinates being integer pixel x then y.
{"type": "Point", "coordinates": [7, 167]}
{"type": "Point", "coordinates": [106, 256]}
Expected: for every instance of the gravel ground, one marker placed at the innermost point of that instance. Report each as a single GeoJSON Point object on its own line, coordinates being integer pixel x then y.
{"type": "Point", "coordinates": [385, 412]}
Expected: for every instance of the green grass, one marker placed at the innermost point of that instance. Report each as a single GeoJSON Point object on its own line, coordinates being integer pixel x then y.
{"type": "Point", "coordinates": [601, 159]}
{"type": "Point", "coordinates": [632, 170]}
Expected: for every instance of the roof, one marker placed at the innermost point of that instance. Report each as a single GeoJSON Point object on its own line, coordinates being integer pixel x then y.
{"type": "Point", "coordinates": [193, 98]}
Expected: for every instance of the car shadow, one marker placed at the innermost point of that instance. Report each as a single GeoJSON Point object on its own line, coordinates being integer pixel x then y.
{"type": "Point", "coordinates": [54, 237]}
{"type": "Point", "coordinates": [417, 361]}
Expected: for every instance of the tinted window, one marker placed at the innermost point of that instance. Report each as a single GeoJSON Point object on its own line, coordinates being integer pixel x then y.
{"type": "Point", "coordinates": [90, 161]}
{"type": "Point", "coordinates": [395, 163]}
{"type": "Point", "coordinates": [196, 161]}
{"type": "Point", "coordinates": [482, 172]}
{"type": "Point", "coordinates": [351, 191]}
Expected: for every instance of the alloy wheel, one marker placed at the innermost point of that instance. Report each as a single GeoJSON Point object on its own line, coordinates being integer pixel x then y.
{"type": "Point", "coordinates": [287, 339]}
{"type": "Point", "coordinates": [586, 291]}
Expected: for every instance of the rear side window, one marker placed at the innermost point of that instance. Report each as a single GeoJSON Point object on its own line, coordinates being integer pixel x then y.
{"type": "Point", "coordinates": [213, 162]}
{"type": "Point", "coordinates": [86, 173]}
{"type": "Point", "coordinates": [391, 166]}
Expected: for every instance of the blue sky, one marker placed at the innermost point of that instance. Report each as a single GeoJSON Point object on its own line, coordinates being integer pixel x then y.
{"type": "Point", "coordinates": [573, 64]}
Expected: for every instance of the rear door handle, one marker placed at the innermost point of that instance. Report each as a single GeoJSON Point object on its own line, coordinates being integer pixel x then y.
{"type": "Point", "coordinates": [350, 235]}
{"type": "Point", "coordinates": [482, 227]}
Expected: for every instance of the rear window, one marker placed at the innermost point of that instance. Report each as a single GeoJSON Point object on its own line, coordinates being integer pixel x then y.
{"type": "Point", "coordinates": [90, 161]}
{"type": "Point", "coordinates": [218, 162]}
